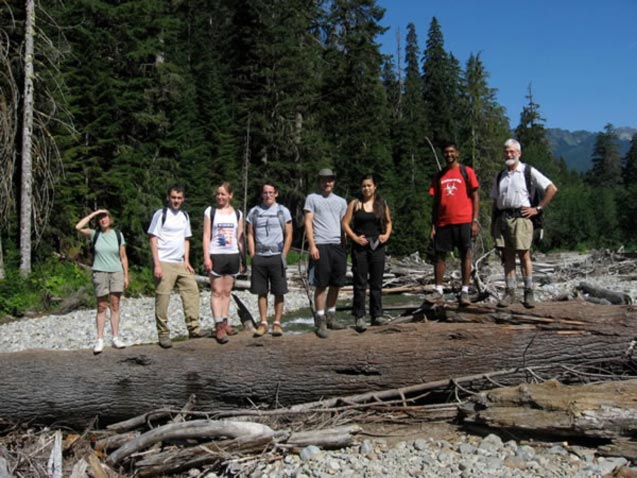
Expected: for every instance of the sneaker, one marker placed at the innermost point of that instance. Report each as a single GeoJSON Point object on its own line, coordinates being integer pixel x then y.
{"type": "Point", "coordinates": [229, 329]}
{"type": "Point", "coordinates": [529, 298]}
{"type": "Point", "coordinates": [99, 346]}
{"type": "Point", "coordinates": [435, 297]}
{"type": "Point", "coordinates": [165, 342]}
{"type": "Point", "coordinates": [379, 321]}
{"type": "Point", "coordinates": [117, 343]}
{"type": "Point", "coordinates": [220, 333]}
{"type": "Point", "coordinates": [360, 325]}
{"type": "Point", "coordinates": [277, 330]}
{"type": "Point", "coordinates": [463, 299]}
{"type": "Point", "coordinates": [262, 329]}
{"type": "Point", "coordinates": [199, 334]}
{"type": "Point", "coordinates": [321, 327]}
{"type": "Point", "coordinates": [331, 323]}
{"type": "Point", "coordinates": [508, 298]}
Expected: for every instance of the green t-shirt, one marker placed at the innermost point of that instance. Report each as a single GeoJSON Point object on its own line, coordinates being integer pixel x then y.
{"type": "Point", "coordinates": [106, 255]}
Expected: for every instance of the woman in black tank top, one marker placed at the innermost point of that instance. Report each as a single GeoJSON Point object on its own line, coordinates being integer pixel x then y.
{"type": "Point", "coordinates": [367, 223]}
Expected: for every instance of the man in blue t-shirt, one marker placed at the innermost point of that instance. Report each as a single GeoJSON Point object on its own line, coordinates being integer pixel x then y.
{"type": "Point", "coordinates": [328, 258]}
{"type": "Point", "coordinates": [269, 241]}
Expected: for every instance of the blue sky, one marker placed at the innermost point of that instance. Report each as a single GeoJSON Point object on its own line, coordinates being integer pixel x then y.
{"type": "Point", "coordinates": [579, 56]}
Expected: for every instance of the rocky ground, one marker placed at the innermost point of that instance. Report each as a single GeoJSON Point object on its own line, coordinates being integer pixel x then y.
{"type": "Point", "coordinates": [420, 450]}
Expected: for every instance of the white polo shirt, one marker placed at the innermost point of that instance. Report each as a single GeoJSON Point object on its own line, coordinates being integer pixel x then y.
{"type": "Point", "coordinates": [511, 193]}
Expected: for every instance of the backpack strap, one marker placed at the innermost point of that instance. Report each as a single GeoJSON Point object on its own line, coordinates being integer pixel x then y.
{"type": "Point", "coordinates": [164, 212]}
{"type": "Point", "coordinates": [118, 234]}
{"type": "Point", "coordinates": [530, 185]}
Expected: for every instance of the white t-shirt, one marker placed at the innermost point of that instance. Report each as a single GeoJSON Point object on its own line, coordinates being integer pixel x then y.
{"type": "Point", "coordinates": [172, 235]}
{"type": "Point", "coordinates": [223, 239]}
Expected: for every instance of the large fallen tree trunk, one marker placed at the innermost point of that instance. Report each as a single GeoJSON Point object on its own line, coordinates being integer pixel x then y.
{"type": "Point", "coordinates": [74, 387]}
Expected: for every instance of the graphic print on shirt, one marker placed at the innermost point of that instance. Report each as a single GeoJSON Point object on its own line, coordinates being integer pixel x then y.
{"type": "Point", "coordinates": [450, 186]}
{"type": "Point", "coordinates": [225, 233]}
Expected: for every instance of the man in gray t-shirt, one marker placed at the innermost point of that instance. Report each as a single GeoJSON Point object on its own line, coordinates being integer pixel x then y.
{"type": "Point", "coordinates": [269, 241]}
{"type": "Point", "coordinates": [328, 257]}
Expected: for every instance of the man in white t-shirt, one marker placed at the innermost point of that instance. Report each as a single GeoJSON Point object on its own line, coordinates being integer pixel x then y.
{"type": "Point", "coordinates": [512, 226]}
{"type": "Point", "coordinates": [170, 234]}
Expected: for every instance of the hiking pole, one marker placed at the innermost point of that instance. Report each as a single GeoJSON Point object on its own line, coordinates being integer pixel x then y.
{"type": "Point", "coordinates": [304, 281]}
{"type": "Point", "coordinates": [433, 150]}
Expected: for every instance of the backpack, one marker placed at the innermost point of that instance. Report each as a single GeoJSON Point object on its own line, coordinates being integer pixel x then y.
{"type": "Point", "coordinates": [99, 231]}
{"type": "Point", "coordinates": [437, 178]}
{"type": "Point", "coordinates": [534, 198]}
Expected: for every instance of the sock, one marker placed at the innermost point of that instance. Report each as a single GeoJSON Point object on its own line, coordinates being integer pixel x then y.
{"type": "Point", "coordinates": [331, 311]}
{"type": "Point", "coordinates": [465, 288]}
{"type": "Point", "coordinates": [320, 313]}
{"type": "Point", "coordinates": [510, 283]}
{"type": "Point", "coordinates": [440, 289]}
{"type": "Point", "coordinates": [528, 282]}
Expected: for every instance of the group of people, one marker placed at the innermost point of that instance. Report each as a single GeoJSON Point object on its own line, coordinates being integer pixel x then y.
{"type": "Point", "coordinates": [329, 220]}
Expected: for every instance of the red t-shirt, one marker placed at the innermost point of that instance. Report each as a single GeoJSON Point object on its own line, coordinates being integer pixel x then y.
{"type": "Point", "coordinates": [455, 206]}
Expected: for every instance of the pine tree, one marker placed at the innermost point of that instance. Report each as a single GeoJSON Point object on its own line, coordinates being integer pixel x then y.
{"type": "Point", "coordinates": [356, 118]}
{"type": "Point", "coordinates": [606, 169]}
{"type": "Point", "coordinates": [630, 163]}
{"type": "Point", "coordinates": [440, 85]}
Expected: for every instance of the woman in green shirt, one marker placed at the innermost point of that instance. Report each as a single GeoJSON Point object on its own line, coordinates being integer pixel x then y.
{"type": "Point", "coordinates": [110, 272]}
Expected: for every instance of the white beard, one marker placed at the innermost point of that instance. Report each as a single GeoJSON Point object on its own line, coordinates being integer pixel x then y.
{"type": "Point", "coordinates": [511, 162]}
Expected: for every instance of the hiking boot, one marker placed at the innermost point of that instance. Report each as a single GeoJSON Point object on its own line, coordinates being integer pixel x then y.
{"type": "Point", "coordinates": [435, 297]}
{"type": "Point", "coordinates": [508, 298]}
{"type": "Point", "coordinates": [229, 329]}
{"type": "Point", "coordinates": [277, 330]}
{"type": "Point", "coordinates": [529, 298]}
{"type": "Point", "coordinates": [330, 320]}
{"type": "Point", "coordinates": [117, 343]}
{"type": "Point", "coordinates": [261, 330]}
{"type": "Point", "coordinates": [99, 346]}
{"type": "Point", "coordinates": [321, 327]}
{"type": "Point", "coordinates": [199, 334]}
{"type": "Point", "coordinates": [463, 299]}
{"type": "Point", "coordinates": [379, 321]}
{"type": "Point", "coordinates": [360, 326]}
{"type": "Point", "coordinates": [220, 333]}
{"type": "Point", "coordinates": [165, 342]}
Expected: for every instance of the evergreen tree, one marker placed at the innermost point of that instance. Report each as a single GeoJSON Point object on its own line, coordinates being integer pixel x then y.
{"type": "Point", "coordinates": [606, 169]}
{"type": "Point", "coordinates": [440, 86]}
{"type": "Point", "coordinates": [356, 118]}
{"type": "Point", "coordinates": [630, 163]}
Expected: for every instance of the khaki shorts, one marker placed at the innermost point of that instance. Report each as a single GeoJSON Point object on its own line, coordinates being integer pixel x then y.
{"type": "Point", "coordinates": [108, 283]}
{"type": "Point", "coordinates": [513, 233]}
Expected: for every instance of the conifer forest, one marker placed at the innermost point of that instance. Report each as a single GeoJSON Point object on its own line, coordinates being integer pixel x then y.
{"type": "Point", "coordinates": [105, 103]}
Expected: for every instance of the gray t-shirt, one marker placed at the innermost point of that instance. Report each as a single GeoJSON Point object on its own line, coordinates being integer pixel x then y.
{"type": "Point", "coordinates": [328, 212]}
{"type": "Point", "coordinates": [268, 235]}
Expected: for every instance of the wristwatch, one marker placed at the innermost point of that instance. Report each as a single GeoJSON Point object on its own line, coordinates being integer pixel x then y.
{"type": "Point", "coordinates": [538, 208]}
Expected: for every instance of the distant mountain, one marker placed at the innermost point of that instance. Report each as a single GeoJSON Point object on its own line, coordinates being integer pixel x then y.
{"type": "Point", "coordinates": [576, 147]}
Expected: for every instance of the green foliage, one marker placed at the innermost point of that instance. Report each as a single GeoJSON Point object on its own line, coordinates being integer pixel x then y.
{"type": "Point", "coordinates": [606, 170]}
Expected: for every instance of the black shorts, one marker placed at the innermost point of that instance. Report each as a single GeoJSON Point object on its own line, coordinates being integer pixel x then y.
{"type": "Point", "coordinates": [268, 270]}
{"type": "Point", "coordinates": [453, 236]}
{"type": "Point", "coordinates": [330, 269]}
{"type": "Point", "coordinates": [225, 264]}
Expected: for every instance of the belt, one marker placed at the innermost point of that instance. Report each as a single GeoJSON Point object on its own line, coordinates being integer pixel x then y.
{"type": "Point", "coordinates": [511, 213]}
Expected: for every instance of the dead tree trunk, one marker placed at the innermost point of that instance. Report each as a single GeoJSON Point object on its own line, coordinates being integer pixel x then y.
{"type": "Point", "coordinates": [73, 387]}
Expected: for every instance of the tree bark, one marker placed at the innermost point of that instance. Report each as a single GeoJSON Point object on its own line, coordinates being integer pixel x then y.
{"type": "Point", "coordinates": [72, 387]}
{"type": "Point", "coordinates": [26, 185]}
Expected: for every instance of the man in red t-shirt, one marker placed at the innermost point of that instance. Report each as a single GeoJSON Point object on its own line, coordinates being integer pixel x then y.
{"type": "Point", "coordinates": [455, 219]}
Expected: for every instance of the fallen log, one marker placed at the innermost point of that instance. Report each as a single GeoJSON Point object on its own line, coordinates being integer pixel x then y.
{"type": "Point", "coordinates": [605, 410]}
{"type": "Point", "coordinates": [73, 387]}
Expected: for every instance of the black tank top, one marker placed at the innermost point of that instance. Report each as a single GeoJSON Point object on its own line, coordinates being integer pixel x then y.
{"type": "Point", "coordinates": [366, 223]}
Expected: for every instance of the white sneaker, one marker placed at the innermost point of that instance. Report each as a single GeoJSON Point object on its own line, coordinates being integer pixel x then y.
{"type": "Point", "coordinates": [99, 346]}
{"type": "Point", "coordinates": [117, 343]}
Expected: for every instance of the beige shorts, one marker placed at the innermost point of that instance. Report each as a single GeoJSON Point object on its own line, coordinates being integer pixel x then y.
{"type": "Point", "coordinates": [513, 233]}
{"type": "Point", "coordinates": [108, 283]}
